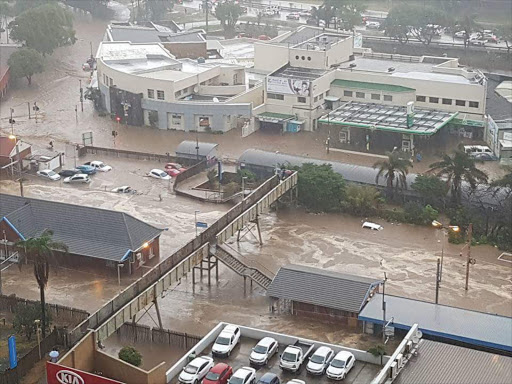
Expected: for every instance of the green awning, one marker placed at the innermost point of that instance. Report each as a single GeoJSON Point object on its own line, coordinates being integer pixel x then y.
{"type": "Point", "coordinates": [273, 117]}
{"type": "Point", "coordinates": [372, 86]}
{"type": "Point", "coordinates": [469, 123]}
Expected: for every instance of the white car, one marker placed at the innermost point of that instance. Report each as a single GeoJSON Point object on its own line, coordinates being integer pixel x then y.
{"type": "Point", "coordinates": [460, 34]}
{"type": "Point", "coordinates": [196, 370]}
{"type": "Point", "coordinates": [293, 16]}
{"type": "Point", "coordinates": [244, 375]}
{"type": "Point", "coordinates": [159, 174]}
{"type": "Point", "coordinates": [48, 174]}
{"type": "Point", "coordinates": [477, 41]}
{"type": "Point", "coordinates": [319, 361]}
{"type": "Point", "coordinates": [124, 189]}
{"type": "Point", "coordinates": [263, 351]}
{"type": "Point", "coordinates": [304, 14]}
{"type": "Point", "coordinates": [226, 341]}
{"type": "Point", "coordinates": [77, 179]}
{"type": "Point", "coordinates": [296, 381]}
{"type": "Point", "coordinates": [99, 165]}
{"type": "Point", "coordinates": [372, 226]}
{"type": "Point", "coordinates": [341, 365]}
{"type": "Point", "coordinates": [372, 25]}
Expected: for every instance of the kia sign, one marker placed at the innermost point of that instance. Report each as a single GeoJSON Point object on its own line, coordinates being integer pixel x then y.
{"type": "Point", "coordinates": [59, 374]}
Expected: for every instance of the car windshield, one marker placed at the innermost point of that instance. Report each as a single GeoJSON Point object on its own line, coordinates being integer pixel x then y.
{"type": "Point", "coordinates": [190, 369]}
{"type": "Point", "coordinates": [101, 165]}
{"type": "Point", "coordinates": [236, 380]}
{"type": "Point", "coordinates": [212, 376]}
{"type": "Point", "coordinates": [338, 363]}
{"type": "Point", "coordinates": [317, 359]}
{"type": "Point", "coordinates": [287, 356]}
{"type": "Point", "coordinates": [51, 173]}
{"type": "Point", "coordinates": [222, 341]}
{"type": "Point", "coordinates": [163, 174]}
{"type": "Point", "coordinates": [260, 349]}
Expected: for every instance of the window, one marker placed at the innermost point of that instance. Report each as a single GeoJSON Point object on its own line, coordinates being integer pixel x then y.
{"type": "Point", "coordinates": [460, 103]}
{"type": "Point", "coordinates": [327, 92]}
{"type": "Point", "coordinates": [151, 93]}
{"type": "Point", "coordinates": [321, 96]}
{"type": "Point", "coordinates": [301, 99]}
{"type": "Point", "coordinates": [360, 95]}
{"type": "Point", "coordinates": [176, 119]}
{"type": "Point", "coordinates": [421, 99]}
{"type": "Point", "coordinates": [433, 100]}
{"type": "Point", "coordinates": [473, 104]}
{"type": "Point", "coordinates": [275, 96]}
{"type": "Point", "coordinates": [347, 93]}
{"type": "Point", "coordinates": [204, 121]}
{"type": "Point", "coordinates": [309, 58]}
{"type": "Point", "coordinates": [375, 96]}
{"type": "Point", "coordinates": [388, 98]}
{"type": "Point", "coordinates": [315, 99]}
{"type": "Point", "coordinates": [447, 101]}
{"type": "Point", "coordinates": [111, 81]}
{"type": "Point", "coordinates": [160, 95]}
{"type": "Point", "coordinates": [303, 57]}
{"type": "Point", "coordinates": [297, 57]}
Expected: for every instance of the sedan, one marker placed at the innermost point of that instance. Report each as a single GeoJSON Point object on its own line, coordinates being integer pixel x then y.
{"type": "Point", "coordinates": [176, 166]}
{"type": "Point", "coordinates": [124, 189]}
{"type": "Point", "coordinates": [320, 360]}
{"type": "Point", "coordinates": [68, 172]}
{"type": "Point", "coordinates": [194, 371]}
{"type": "Point", "coordinates": [159, 174]}
{"type": "Point", "coordinates": [341, 365]}
{"type": "Point", "coordinates": [172, 172]}
{"type": "Point", "coordinates": [484, 156]}
{"type": "Point", "coordinates": [293, 16]}
{"type": "Point", "coordinates": [48, 174]}
{"type": "Point", "coordinates": [99, 165]}
{"type": "Point", "coordinates": [244, 375]}
{"type": "Point", "coordinates": [263, 351]}
{"type": "Point", "coordinates": [269, 378]}
{"type": "Point", "coordinates": [77, 179]}
{"type": "Point", "coordinates": [460, 34]}
{"type": "Point", "coordinates": [87, 169]}
{"type": "Point", "coordinates": [304, 14]}
{"type": "Point", "coordinates": [219, 374]}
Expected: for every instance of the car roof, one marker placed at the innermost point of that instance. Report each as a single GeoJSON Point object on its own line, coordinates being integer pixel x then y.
{"type": "Point", "coordinates": [200, 360]}
{"type": "Point", "coordinates": [323, 350]}
{"type": "Point", "coordinates": [243, 372]}
{"type": "Point", "coordinates": [266, 341]}
{"type": "Point", "coordinates": [219, 368]}
{"type": "Point", "coordinates": [79, 174]}
{"type": "Point", "coordinates": [267, 377]}
{"type": "Point", "coordinates": [230, 328]}
{"type": "Point", "coordinates": [157, 170]}
{"type": "Point", "coordinates": [343, 355]}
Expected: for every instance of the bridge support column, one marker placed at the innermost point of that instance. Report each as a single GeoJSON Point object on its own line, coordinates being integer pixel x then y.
{"type": "Point", "coordinates": [157, 308]}
{"type": "Point", "coordinates": [217, 269]}
{"type": "Point", "coordinates": [259, 230]}
{"type": "Point", "coordinates": [209, 271]}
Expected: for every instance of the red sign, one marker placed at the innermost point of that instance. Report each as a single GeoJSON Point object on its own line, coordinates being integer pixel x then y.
{"type": "Point", "coordinates": [59, 374]}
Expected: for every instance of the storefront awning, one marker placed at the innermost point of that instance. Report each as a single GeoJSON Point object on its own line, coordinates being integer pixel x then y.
{"type": "Point", "coordinates": [273, 117]}
{"type": "Point", "coordinates": [331, 98]}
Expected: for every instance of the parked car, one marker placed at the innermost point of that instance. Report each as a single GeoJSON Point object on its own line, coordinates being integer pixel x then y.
{"type": "Point", "coordinates": [460, 34]}
{"type": "Point", "coordinates": [263, 37]}
{"type": "Point", "coordinates": [194, 371]}
{"type": "Point", "coordinates": [159, 174]}
{"type": "Point", "coordinates": [319, 361]}
{"type": "Point", "coordinates": [372, 226]}
{"type": "Point", "coordinates": [293, 16]}
{"type": "Point", "coordinates": [484, 157]}
{"type": "Point", "coordinates": [294, 355]}
{"type": "Point", "coordinates": [124, 189]}
{"type": "Point", "coordinates": [263, 351]}
{"type": "Point", "coordinates": [474, 149]}
{"type": "Point", "coordinates": [226, 341]}
{"type": "Point", "coordinates": [86, 169]}
{"type": "Point", "coordinates": [244, 375]}
{"type": "Point", "coordinates": [99, 165]}
{"type": "Point", "coordinates": [77, 179]}
{"type": "Point", "coordinates": [48, 174]}
{"type": "Point", "coordinates": [341, 365]}
{"type": "Point", "coordinates": [305, 14]}
{"type": "Point", "coordinates": [372, 25]}
{"type": "Point", "coordinates": [219, 374]}
{"type": "Point", "coordinates": [477, 41]}
{"type": "Point", "coordinates": [296, 381]}
{"type": "Point", "coordinates": [68, 172]}
{"type": "Point", "coordinates": [269, 378]}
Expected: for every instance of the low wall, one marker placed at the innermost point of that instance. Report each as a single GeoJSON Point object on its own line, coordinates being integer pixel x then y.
{"type": "Point", "coordinates": [142, 333]}
{"type": "Point", "coordinates": [82, 355]}
{"type": "Point", "coordinates": [192, 171]}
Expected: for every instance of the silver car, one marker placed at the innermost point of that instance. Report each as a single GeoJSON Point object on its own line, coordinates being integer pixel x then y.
{"type": "Point", "coordinates": [79, 178]}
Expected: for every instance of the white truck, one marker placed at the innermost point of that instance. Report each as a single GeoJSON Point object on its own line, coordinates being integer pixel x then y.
{"type": "Point", "coordinates": [294, 355]}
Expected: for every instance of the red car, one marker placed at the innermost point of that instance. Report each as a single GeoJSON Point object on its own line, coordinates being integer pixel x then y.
{"type": "Point", "coordinates": [176, 166]}
{"type": "Point", "coordinates": [219, 374]}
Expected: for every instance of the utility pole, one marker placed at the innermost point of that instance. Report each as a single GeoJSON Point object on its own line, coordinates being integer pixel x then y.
{"type": "Point", "coordinates": [81, 95]}
{"type": "Point", "coordinates": [76, 113]}
{"type": "Point", "coordinates": [384, 308]}
{"type": "Point", "coordinates": [469, 261]}
{"type": "Point", "coordinates": [28, 105]}
{"type": "Point", "coordinates": [11, 120]}
{"type": "Point", "coordinates": [206, 7]}
{"type": "Point", "coordinates": [197, 146]}
{"type": "Point", "coordinates": [438, 279]}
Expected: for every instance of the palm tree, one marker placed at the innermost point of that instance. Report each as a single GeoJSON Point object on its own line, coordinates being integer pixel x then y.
{"type": "Point", "coordinates": [40, 249]}
{"type": "Point", "coordinates": [394, 167]}
{"type": "Point", "coordinates": [460, 166]}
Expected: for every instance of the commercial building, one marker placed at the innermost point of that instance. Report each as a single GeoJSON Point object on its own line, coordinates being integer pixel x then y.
{"type": "Point", "coordinates": [8, 152]}
{"type": "Point", "coordinates": [6, 50]}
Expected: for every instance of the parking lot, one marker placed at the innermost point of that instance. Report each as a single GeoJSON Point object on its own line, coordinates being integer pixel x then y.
{"type": "Point", "coordinates": [361, 373]}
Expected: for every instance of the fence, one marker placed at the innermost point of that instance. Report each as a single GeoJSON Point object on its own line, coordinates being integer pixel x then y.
{"type": "Point", "coordinates": [142, 333]}
{"type": "Point", "coordinates": [59, 313]}
{"type": "Point", "coordinates": [192, 171]}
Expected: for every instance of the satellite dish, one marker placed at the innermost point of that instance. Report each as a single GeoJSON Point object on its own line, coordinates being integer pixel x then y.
{"type": "Point", "coordinates": [196, 89]}
{"type": "Point", "coordinates": [215, 100]}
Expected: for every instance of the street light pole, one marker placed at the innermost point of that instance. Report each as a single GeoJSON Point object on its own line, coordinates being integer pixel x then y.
{"type": "Point", "coordinates": [468, 261]}
{"type": "Point", "coordinates": [438, 279]}
{"type": "Point", "coordinates": [81, 95]}
{"type": "Point", "coordinates": [384, 308]}
{"type": "Point", "coordinates": [243, 186]}
{"type": "Point", "coordinates": [195, 220]}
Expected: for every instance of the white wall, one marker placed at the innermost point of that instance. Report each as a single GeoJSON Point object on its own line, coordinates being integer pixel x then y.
{"type": "Point", "coordinates": [268, 57]}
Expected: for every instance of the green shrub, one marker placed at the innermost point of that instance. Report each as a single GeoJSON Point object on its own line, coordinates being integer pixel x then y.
{"type": "Point", "coordinates": [25, 317]}
{"type": "Point", "coordinates": [360, 200]}
{"type": "Point", "coordinates": [230, 189]}
{"type": "Point", "coordinates": [131, 356]}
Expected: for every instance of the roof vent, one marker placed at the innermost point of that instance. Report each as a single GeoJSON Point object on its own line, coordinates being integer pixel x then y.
{"type": "Point", "coordinates": [391, 69]}
{"type": "Point", "coordinates": [201, 60]}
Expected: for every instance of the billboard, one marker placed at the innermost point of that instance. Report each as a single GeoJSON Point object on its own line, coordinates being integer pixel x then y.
{"type": "Point", "coordinates": [288, 86]}
{"type": "Point", "coordinates": [59, 374]}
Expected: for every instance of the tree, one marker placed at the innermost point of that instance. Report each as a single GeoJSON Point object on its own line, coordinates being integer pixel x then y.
{"type": "Point", "coordinates": [350, 12]}
{"type": "Point", "coordinates": [228, 13]}
{"type": "Point", "coordinates": [456, 168]}
{"type": "Point", "coordinates": [157, 9]}
{"type": "Point", "coordinates": [44, 28]}
{"type": "Point", "coordinates": [505, 33]}
{"type": "Point", "coordinates": [431, 188]}
{"type": "Point", "coordinates": [25, 317]}
{"type": "Point", "coordinates": [25, 63]}
{"type": "Point", "coordinates": [468, 24]}
{"type": "Point", "coordinates": [22, 5]}
{"type": "Point", "coordinates": [40, 250]}
{"type": "Point", "coordinates": [321, 189]}
{"type": "Point", "coordinates": [395, 167]}
{"type": "Point", "coordinates": [131, 356]}
{"type": "Point", "coordinates": [361, 200]}
{"type": "Point", "coordinates": [378, 350]}
{"type": "Point", "coordinates": [325, 12]}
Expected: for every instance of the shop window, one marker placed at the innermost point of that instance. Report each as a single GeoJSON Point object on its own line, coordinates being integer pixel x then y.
{"type": "Point", "coordinates": [473, 104]}
{"type": "Point", "coordinates": [348, 93]}
{"type": "Point", "coordinates": [151, 93]}
{"type": "Point", "coordinates": [447, 101]}
{"type": "Point", "coordinates": [176, 119]}
{"type": "Point", "coordinates": [460, 103]}
{"type": "Point", "coordinates": [301, 99]}
{"type": "Point", "coordinates": [375, 96]}
{"type": "Point", "coordinates": [421, 99]}
{"type": "Point", "coordinates": [388, 98]}
{"type": "Point", "coordinates": [360, 95]}
{"type": "Point", "coordinates": [204, 121]}
{"type": "Point", "coordinates": [433, 100]}
{"type": "Point", "coordinates": [275, 96]}
{"type": "Point", "coordinates": [160, 95]}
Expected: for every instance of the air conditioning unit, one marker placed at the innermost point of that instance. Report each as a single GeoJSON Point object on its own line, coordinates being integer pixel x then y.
{"type": "Point", "coordinates": [400, 361]}
{"type": "Point", "coordinates": [139, 256]}
{"type": "Point", "coordinates": [394, 370]}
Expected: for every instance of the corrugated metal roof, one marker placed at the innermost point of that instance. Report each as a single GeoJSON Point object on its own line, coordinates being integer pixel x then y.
{"type": "Point", "coordinates": [321, 287]}
{"type": "Point", "coordinates": [439, 363]}
{"type": "Point", "coordinates": [375, 86]}
{"type": "Point", "coordinates": [471, 327]}
{"type": "Point", "coordinates": [188, 147]}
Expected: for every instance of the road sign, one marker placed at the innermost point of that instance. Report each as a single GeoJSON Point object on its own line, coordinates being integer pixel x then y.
{"type": "Point", "coordinates": [200, 224]}
{"type": "Point", "coordinates": [87, 138]}
{"type": "Point", "coordinates": [13, 357]}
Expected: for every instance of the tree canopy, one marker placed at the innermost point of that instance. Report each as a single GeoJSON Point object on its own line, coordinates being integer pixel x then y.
{"type": "Point", "coordinates": [228, 14]}
{"type": "Point", "coordinates": [395, 167]}
{"type": "Point", "coordinates": [431, 188]}
{"type": "Point", "coordinates": [25, 62]}
{"type": "Point", "coordinates": [157, 9]}
{"type": "Point", "coordinates": [43, 28]}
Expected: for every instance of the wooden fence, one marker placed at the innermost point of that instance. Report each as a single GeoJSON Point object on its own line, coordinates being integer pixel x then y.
{"type": "Point", "coordinates": [144, 334]}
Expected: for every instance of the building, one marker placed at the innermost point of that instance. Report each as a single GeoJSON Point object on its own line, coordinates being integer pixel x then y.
{"type": "Point", "coordinates": [451, 325]}
{"type": "Point", "coordinates": [42, 158]}
{"type": "Point", "coordinates": [143, 84]}
{"type": "Point", "coordinates": [307, 291]}
{"type": "Point", "coordinates": [197, 151]}
{"type": "Point", "coordinates": [8, 156]}
{"type": "Point", "coordinates": [96, 238]}
{"type": "Point", "coordinates": [6, 50]}
{"type": "Point", "coordinates": [443, 363]}
{"type": "Point", "coordinates": [498, 135]}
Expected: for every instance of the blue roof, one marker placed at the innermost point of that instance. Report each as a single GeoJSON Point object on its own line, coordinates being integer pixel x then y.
{"type": "Point", "coordinates": [476, 328]}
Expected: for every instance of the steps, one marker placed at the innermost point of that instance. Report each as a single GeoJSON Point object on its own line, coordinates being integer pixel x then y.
{"type": "Point", "coordinates": [227, 258]}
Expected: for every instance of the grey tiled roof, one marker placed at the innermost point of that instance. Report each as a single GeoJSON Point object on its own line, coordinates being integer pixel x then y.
{"type": "Point", "coordinates": [321, 287]}
{"type": "Point", "coordinates": [87, 231]}
{"type": "Point", "coordinates": [444, 363]}
{"type": "Point", "coordinates": [188, 147]}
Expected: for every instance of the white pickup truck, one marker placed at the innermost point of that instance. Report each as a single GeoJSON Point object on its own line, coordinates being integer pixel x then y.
{"type": "Point", "coordinates": [294, 355]}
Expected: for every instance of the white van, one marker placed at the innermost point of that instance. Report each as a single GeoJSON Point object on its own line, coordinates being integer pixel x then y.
{"type": "Point", "coordinates": [475, 149]}
{"type": "Point", "coordinates": [372, 226]}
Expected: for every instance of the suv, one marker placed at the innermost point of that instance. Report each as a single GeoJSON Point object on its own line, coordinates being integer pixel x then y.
{"type": "Point", "coordinates": [263, 351]}
{"type": "Point", "coordinates": [320, 360]}
{"type": "Point", "coordinates": [226, 341]}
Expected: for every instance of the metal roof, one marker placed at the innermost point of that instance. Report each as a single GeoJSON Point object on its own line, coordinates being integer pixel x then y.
{"type": "Point", "coordinates": [374, 86]}
{"type": "Point", "coordinates": [299, 73]}
{"type": "Point", "coordinates": [188, 147]}
{"type": "Point", "coordinates": [87, 231]}
{"type": "Point", "coordinates": [321, 287]}
{"type": "Point", "coordinates": [388, 118]}
{"type": "Point", "coordinates": [448, 364]}
{"type": "Point", "coordinates": [459, 324]}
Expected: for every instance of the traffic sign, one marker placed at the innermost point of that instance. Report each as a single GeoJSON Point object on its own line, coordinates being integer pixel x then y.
{"type": "Point", "coordinates": [200, 224]}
